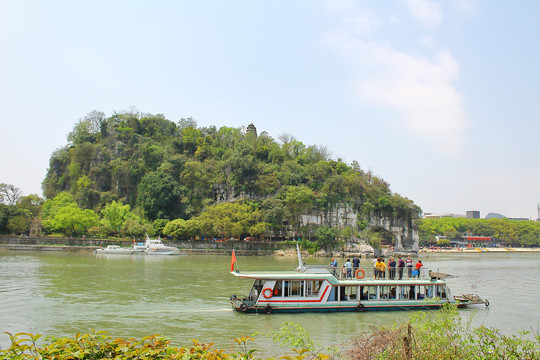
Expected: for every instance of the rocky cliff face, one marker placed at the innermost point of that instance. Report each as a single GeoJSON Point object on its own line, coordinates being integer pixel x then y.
{"type": "Point", "coordinates": [405, 235]}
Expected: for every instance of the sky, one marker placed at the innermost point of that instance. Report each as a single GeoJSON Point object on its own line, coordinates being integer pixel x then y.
{"type": "Point", "coordinates": [438, 98]}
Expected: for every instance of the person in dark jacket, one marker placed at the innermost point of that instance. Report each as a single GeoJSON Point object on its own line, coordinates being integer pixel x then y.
{"type": "Point", "coordinates": [401, 267]}
{"type": "Point", "coordinates": [392, 268]}
{"type": "Point", "coordinates": [355, 265]}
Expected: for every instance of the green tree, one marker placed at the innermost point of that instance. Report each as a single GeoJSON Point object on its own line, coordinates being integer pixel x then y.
{"type": "Point", "coordinates": [113, 216]}
{"type": "Point", "coordinates": [87, 129]}
{"type": "Point", "coordinates": [20, 224]}
{"type": "Point", "coordinates": [298, 199]}
{"type": "Point", "coordinates": [136, 227]}
{"type": "Point", "coordinates": [52, 206]}
{"type": "Point", "coordinates": [160, 196]}
{"type": "Point", "coordinates": [228, 219]}
{"type": "Point", "coordinates": [71, 220]}
{"type": "Point", "coordinates": [176, 228]}
{"type": "Point", "coordinates": [326, 236]}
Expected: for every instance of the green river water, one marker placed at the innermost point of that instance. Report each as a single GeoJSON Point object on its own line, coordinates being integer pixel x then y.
{"type": "Point", "coordinates": [186, 297]}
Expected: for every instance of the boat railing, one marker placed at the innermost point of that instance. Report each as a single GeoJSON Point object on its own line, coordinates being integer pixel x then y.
{"type": "Point", "coordinates": [370, 273]}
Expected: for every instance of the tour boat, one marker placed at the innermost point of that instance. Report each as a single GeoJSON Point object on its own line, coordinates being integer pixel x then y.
{"type": "Point", "coordinates": [114, 249]}
{"type": "Point", "coordinates": [319, 288]}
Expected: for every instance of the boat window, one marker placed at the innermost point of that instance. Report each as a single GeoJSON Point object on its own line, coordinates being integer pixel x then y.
{"type": "Point", "coordinates": [388, 292]}
{"type": "Point", "coordinates": [256, 289]}
{"type": "Point", "coordinates": [294, 288]}
{"type": "Point", "coordinates": [406, 292]}
{"type": "Point", "coordinates": [332, 295]}
{"type": "Point", "coordinates": [425, 292]}
{"type": "Point", "coordinates": [276, 291]}
{"type": "Point", "coordinates": [383, 292]}
{"type": "Point", "coordinates": [441, 291]}
{"type": "Point", "coordinates": [313, 287]}
{"type": "Point", "coordinates": [369, 292]}
{"type": "Point", "coordinates": [348, 293]}
{"type": "Point", "coordinates": [412, 292]}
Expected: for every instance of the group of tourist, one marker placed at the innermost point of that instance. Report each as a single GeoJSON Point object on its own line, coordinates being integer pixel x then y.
{"type": "Point", "coordinates": [395, 268]}
{"type": "Point", "coordinates": [379, 268]}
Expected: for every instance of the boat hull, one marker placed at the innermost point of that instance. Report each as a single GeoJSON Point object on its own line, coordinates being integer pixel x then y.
{"type": "Point", "coordinates": [329, 308]}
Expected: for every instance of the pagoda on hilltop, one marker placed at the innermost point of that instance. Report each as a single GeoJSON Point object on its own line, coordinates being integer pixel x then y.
{"type": "Point", "coordinates": [251, 129]}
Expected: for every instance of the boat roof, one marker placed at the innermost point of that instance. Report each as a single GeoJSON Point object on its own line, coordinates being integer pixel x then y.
{"type": "Point", "coordinates": [296, 275]}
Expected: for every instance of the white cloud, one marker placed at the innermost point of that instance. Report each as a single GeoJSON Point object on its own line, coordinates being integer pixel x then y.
{"type": "Point", "coordinates": [419, 87]}
{"type": "Point", "coordinates": [426, 12]}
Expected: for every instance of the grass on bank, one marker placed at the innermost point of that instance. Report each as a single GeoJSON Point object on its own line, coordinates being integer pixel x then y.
{"type": "Point", "coordinates": [439, 334]}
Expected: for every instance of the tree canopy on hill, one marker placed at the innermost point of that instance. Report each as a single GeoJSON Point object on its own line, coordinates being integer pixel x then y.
{"type": "Point", "coordinates": [166, 171]}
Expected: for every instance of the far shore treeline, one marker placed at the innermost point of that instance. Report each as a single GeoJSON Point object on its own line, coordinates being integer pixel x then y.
{"type": "Point", "coordinates": [133, 173]}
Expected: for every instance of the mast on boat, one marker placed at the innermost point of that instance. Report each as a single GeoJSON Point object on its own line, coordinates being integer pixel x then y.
{"type": "Point", "coordinates": [301, 266]}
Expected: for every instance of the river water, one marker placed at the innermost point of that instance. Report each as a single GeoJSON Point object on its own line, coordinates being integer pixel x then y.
{"type": "Point", "coordinates": [186, 297]}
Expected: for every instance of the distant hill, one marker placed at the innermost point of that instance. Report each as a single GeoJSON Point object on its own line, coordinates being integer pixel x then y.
{"type": "Point", "coordinates": [494, 216]}
{"type": "Point", "coordinates": [176, 170]}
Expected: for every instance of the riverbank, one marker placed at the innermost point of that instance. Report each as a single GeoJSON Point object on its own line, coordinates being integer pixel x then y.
{"type": "Point", "coordinates": [480, 250]}
{"type": "Point", "coordinates": [225, 248]}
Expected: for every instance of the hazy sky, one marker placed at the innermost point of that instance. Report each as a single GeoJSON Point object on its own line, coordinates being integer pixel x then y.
{"type": "Point", "coordinates": [439, 98]}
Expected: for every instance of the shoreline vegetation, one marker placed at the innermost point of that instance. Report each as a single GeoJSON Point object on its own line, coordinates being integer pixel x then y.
{"type": "Point", "coordinates": [440, 334]}
{"type": "Point", "coordinates": [276, 248]}
{"type": "Point", "coordinates": [244, 248]}
{"type": "Point", "coordinates": [267, 252]}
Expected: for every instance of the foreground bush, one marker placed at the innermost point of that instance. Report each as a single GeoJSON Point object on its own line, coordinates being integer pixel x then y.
{"type": "Point", "coordinates": [427, 335]}
{"type": "Point", "coordinates": [442, 334]}
{"type": "Point", "coordinates": [98, 345]}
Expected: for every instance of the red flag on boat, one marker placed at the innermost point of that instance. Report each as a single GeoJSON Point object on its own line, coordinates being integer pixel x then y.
{"type": "Point", "coordinates": [233, 260]}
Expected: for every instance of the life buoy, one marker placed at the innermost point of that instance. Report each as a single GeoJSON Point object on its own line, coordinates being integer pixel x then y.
{"type": "Point", "coordinates": [243, 306]}
{"type": "Point", "coordinates": [486, 302]}
{"type": "Point", "coordinates": [267, 293]}
{"type": "Point", "coordinates": [268, 309]}
{"type": "Point", "coordinates": [358, 272]}
{"type": "Point", "coordinates": [360, 307]}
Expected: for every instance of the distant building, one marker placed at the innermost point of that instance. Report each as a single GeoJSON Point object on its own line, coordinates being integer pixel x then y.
{"type": "Point", "coordinates": [442, 215]}
{"type": "Point", "coordinates": [473, 214]}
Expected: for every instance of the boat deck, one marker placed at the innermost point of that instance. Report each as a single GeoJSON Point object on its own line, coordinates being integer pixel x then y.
{"type": "Point", "coordinates": [337, 276]}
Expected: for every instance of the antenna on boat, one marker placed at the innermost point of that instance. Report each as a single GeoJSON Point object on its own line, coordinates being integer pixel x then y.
{"type": "Point", "coordinates": [301, 266]}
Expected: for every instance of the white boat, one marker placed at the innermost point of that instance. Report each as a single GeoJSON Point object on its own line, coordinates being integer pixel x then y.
{"type": "Point", "coordinates": [318, 289]}
{"type": "Point", "coordinates": [139, 248]}
{"type": "Point", "coordinates": [114, 249]}
{"type": "Point", "coordinates": [156, 247]}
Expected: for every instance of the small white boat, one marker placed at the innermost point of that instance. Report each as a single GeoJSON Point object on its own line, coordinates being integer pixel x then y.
{"type": "Point", "coordinates": [114, 249]}
{"type": "Point", "coordinates": [156, 247]}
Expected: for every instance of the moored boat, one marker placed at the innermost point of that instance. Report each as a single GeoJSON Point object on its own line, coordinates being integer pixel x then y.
{"type": "Point", "coordinates": [156, 247]}
{"type": "Point", "coordinates": [316, 288]}
{"type": "Point", "coordinates": [114, 249]}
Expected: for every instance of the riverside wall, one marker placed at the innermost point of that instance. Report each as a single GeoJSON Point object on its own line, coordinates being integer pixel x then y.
{"type": "Point", "coordinates": [193, 247]}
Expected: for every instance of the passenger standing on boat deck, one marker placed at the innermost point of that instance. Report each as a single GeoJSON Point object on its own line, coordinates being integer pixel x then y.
{"type": "Point", "coordinates": [381, 266]}
{"type": "Point", "coordinates": [408, 264]}
{"type": "Point", "coordinates": [348, 266]}
{"type": "Point", "coordinates": [401, 265]}
{"type": "Point", "coordinates": [355, 264]}
{"type": "Point", "coordinates": [375, 269]}
{"type": "Point", "coordinates": [382, 269]}
{"type": "Point", "coordinates": [392, 268]}
{"type": "Point", "coordinates": [333, 266]}
{"type": "Point", "coordinates": [418, 266]}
